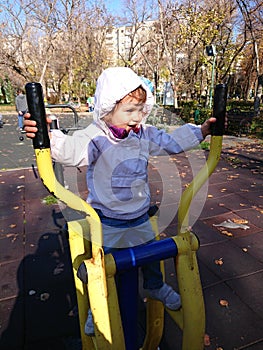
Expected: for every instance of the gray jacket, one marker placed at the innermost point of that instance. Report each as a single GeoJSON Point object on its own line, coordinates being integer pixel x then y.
{"type": "Point", "coordinates": [21, 103]}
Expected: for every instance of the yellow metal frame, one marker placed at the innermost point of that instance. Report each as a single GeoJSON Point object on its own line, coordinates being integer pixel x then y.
{"type": "Point", "coordinates": [100, 293]}
{"type": "Point", "coordinates": [191, 317]}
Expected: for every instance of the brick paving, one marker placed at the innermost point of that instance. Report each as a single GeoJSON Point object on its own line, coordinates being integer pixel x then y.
{"type": "Point", "coordinates": [37, 298]}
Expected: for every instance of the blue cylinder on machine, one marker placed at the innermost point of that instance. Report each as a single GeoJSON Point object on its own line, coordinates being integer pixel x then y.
{"type": "Point", "coordinates": [129, 258]}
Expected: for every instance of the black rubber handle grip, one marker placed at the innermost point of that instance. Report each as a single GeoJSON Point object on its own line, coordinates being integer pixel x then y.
{"type": "Point", "coordinates": [54, 123]}
{"type": "Point", "coordinates": [219, 110]}
{"type": "Point", "coordinates": [36, 108]}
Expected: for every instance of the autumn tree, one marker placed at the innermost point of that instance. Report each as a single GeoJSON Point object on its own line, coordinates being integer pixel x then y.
{"type": "Point", "coordinates": [186, 29]}
{"type": "Point", "coordinates": [59, 43]}
{"type": "Point", "coordinates": [251, 14]}
{"type": "Point", "coordinates": [62, 43]}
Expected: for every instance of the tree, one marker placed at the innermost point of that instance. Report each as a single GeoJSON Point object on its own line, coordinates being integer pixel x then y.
{"type": "Point", "coordinates": [58, 43]}
{"type": "Point", "coordinates": [251, 14]}
{"type": "Point", "coordinates": [63, 44]}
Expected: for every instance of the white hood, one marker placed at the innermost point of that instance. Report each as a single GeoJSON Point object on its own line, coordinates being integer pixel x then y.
{"type": "Point", "coordinates": [112, 85]}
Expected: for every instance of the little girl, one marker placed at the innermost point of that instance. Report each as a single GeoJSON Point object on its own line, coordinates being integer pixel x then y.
{"type": "Point", "coordinates": [116, 148]}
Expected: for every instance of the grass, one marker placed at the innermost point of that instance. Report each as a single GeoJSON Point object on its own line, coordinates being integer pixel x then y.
{"type": "Point", "coordinates": [205, 145]}
{"type": "Point", "coordinates": [7, 108]}
{"type": "Point", "coordinates": [49, 200]}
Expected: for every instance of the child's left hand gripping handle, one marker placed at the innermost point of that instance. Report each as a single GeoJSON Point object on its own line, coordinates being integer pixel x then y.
{"type": "Point", "coordinates": [36, 108]}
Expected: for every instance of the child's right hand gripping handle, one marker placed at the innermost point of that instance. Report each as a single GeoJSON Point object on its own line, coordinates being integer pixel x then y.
{"type": "Point", "coordinates": [219, 110]}
{"type": "Point", "coordinates": [36, 108]}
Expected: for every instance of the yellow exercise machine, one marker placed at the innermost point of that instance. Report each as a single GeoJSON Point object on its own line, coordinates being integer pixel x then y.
{"type": "Point", "coordinates": [114, 312]}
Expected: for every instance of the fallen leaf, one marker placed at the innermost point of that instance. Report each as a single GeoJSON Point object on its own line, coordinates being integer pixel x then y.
{"type": "Point", "coordinates": [14, 238]}
{"type": "Point", "coordinates": [162, 234]}
{"type": "Point", "coordinates": [226, 233]}
{"type": "Point", "coordinates": [240, 221]}
{"type": "Point", "coordinates": [72, 313]}
{"type": "Point", "coordinates": [11, 235]}
{"type": "Point", "coordinates": [207, 340]}
{"type": "Point", "coordinates": [223, 302]}
{"type": "Point", "coordinates": [12, 225]}
{"type": "Point", "coordinates": [58, 269]}
{"type": "Point", "coordinates": [219, 261]}
{"type": "Point", "coordinates": [44, 296]}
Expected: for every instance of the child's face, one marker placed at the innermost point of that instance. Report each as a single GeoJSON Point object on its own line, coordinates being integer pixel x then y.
{"type": "Point", "coordinates": [127, 114]}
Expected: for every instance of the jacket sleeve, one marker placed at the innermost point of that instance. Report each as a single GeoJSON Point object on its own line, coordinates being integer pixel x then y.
{"type": "Point", "coordinates": [70, 150]}
{"type": "Point", "coordinates": [181, 139]}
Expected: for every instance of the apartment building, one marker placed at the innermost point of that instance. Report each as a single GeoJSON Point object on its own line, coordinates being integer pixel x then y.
{"type": "Point", "coordinates": [125, 42]}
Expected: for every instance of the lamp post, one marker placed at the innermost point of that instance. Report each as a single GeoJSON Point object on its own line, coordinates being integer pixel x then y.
{"type": "Point", "coordinates": [211, 51]}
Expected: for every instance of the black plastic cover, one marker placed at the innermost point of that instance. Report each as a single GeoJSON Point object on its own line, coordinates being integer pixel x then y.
{"type": "Point", "coordinates": [36, 108]}
{"type": "Point", "coordinates": [219, 109]}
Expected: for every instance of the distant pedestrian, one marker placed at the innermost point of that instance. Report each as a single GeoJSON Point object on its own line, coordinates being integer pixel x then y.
{"type": "Point", "coordinates": [90, 103]}
{"type": "Point", "coordinates": [21, 108]}
{"type": "Point", "coordinates": [196, 116]}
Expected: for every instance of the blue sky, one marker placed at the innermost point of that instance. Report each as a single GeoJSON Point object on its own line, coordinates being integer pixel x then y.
{"type": "Point", "coordinates": [114, 5]}
{"type": "Point", "coordinates": [119, 7]}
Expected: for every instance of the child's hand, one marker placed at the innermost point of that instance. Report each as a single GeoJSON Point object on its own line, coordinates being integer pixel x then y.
{"type": "Point", "coordinates": [30, 126]}
{"type": "Point", "coordinates": [206, 126]}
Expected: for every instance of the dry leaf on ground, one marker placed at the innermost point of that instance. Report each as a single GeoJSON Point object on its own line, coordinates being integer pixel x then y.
{"type": "Point", "coordinates": [12, 225]}
{"type": "Point", "coordinates": [44, 296]}
{"type": "Point", "coordinates": [207, 340]}
{"type": "Point", "coordinates": [227, 233]}
{"type": "Point", "coordinates": [219, 261]}
{"type": "Point", "coordinates": [223, 302]}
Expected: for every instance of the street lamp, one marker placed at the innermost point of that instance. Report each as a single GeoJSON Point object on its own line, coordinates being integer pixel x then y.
{"type": "Point", "coordinates": [211, 51]}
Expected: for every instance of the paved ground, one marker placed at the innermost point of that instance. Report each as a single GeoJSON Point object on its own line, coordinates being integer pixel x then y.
{"type": "Point", "coordinates": [37, 300]}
